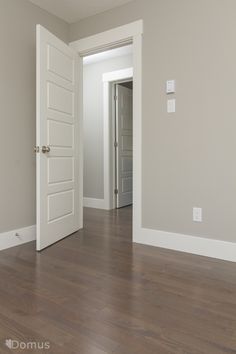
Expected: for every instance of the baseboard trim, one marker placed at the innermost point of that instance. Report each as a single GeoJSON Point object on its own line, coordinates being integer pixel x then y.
{"type": "Point", "coordinates": [9, 239]}
{"type": "Point", "coordinates": [174, 241]}
{"type": "Point", "coordinates": [95, 203]}
{"type": "Point", "coordinates": [186, 243]}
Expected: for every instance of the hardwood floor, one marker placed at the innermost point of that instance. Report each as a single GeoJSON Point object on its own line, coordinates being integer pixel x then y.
{"type": "Point", "coordinates": [97, 293]}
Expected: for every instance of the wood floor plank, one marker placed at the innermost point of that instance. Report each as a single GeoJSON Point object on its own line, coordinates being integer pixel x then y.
{"type": "Point", "coordinates": [96, 292]}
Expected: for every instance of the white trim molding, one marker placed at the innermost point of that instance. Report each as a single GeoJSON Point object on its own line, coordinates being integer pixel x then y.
{"type": "Point", "coordinates": [115, 37]}
{"type": "Point", "coordinates": [95, 203]}
{"type": "Point", "coordinates": [17, 237]}
{"type": "Point", "coordinates": [108, 125]}
{"type": "Point", "coordinates": [117, 75]}
{"type": "Point", "coordinates": [185, 243]}
{"type": "Point", "coordinates": [130, 33]}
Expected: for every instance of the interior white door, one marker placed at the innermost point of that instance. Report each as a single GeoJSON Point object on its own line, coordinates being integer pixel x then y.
{"type": "Point", "coordinates": [124, 150]}
{"type": "Point", "coordinates": [58, 197]}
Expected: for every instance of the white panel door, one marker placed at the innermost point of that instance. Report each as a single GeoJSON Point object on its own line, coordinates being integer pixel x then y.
{"type": "Point", "coordinates": [58, 196]}
{"type": "Point", "coordinates": [124, 150]}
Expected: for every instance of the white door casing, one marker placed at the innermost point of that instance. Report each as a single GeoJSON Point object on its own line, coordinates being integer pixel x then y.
{"type": "Point", "coordinates": [130, 33]}
{"type": "Point", "coordinates": [58, 203]}
{"type": "Point", "coordinates": [124, 149]}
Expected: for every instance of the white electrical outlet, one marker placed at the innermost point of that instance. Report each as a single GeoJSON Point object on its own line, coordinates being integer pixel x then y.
{"type": "Point", "coordinates": [197, 214]}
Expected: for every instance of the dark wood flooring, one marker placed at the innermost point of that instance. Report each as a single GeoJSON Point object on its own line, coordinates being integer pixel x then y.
{"type": "Point", "coordinates": [97, 293]}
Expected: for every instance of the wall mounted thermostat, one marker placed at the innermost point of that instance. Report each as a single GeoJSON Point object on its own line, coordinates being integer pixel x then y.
{"type": "Point", "coordinates": [170, 86]}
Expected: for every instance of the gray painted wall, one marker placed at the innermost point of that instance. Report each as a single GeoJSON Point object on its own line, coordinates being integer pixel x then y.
{"type": "Point", "coordinates": [93, 123]}
{"type": "Point", "coordinates": [188, 158]}
{"type": "Point", "coordinates": [18, 19]}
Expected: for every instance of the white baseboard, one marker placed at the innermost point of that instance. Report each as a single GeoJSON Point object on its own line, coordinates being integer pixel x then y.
{"type": "Point", "coordinates": [185, 243]}
{"type": "Point", "coordinates": [9, 239]}
{"type": "Point", "coordinates": [94, 203]}
{"type": "Point", "coordinates": [178, 242]}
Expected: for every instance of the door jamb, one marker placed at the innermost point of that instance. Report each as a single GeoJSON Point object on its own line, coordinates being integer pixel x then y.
{"type": "Point", "coordinates": [130, 33]}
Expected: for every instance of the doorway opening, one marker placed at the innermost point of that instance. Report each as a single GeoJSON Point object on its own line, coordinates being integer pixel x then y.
{"type": "Point", "coordinates": [117, 37]}
{"type": "Point", "coordinates": [108, 128]}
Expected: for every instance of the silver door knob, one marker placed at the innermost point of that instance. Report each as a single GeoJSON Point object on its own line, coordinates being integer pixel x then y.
{"type": "Point", "coordinates": [45, 149]}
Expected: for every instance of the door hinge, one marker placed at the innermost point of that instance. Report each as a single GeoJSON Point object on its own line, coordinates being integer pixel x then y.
{"type": "Point", "coordinates": [115, 144]}
{"type": "Point", "coordinates": [116, 191]}
{"type": "Point", "coordinates": [115, 97]}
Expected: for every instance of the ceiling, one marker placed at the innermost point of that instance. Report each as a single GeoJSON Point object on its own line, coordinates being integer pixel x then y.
{"type": "Point", "coordinates": [75, 10]}
{"type": "Point", "coordinates": [109, 54]}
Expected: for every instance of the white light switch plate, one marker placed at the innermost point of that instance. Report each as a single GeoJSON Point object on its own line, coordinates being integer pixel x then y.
{"type": "Point", "coordinates": [170, 86]}
{"type": "Point", "coordinates": [197, 214]}
{"type": "Point", "coordinates": [171, 106]}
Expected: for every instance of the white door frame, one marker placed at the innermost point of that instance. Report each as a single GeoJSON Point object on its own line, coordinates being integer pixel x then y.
{"type": "Point", "coordinates": [108, 133]}
{"type": "Point", "coordinates": [130, 33]}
